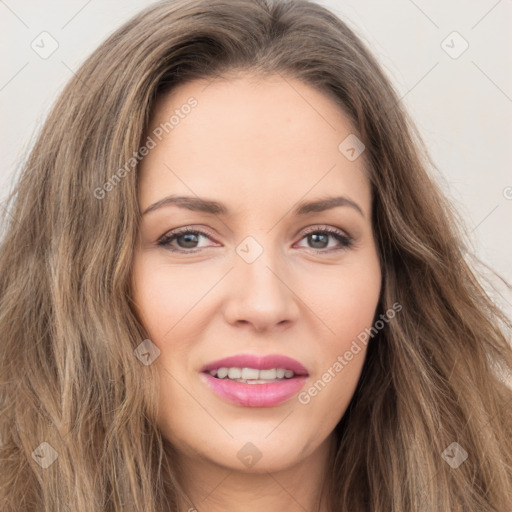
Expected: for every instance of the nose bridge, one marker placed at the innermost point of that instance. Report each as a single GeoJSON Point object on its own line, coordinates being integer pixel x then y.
{"type": "Point", "coordinates": [259, 294]}
{"type": "Point", "coordinates": [257, 264]}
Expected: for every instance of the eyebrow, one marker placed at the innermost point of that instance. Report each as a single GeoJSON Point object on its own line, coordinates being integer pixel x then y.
{"type": "Point", "coordinates": [216, 208]}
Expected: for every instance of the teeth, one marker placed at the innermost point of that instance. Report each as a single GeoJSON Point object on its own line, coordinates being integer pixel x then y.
{"type": "Point", "coordinates": [222, 373]}
{"type": "Point", "coordinates": [268, 374]}
{"type": "Point", "coordinates": [235, 373]}
{"type": "Point", "coordinates": [252, 375]}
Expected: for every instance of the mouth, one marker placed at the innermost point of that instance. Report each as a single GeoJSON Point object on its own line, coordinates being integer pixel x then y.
{"type": "Point", "coordinates": [255, 381]}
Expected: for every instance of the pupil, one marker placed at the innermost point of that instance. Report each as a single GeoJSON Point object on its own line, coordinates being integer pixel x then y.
{"type": "Point", "coordinates": [189, 238]}
{"type": "Point", "coordinates": [315, 239]}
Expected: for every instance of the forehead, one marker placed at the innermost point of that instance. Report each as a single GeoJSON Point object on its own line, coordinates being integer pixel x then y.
{"type": "Point", "coordinates": [237, 138]}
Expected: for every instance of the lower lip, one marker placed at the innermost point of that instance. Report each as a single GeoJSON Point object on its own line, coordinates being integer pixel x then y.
{"type": "Point", "coordinates": [255, 395]}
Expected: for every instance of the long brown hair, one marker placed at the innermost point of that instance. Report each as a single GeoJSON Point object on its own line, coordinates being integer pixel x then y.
{"type": "Point", "coordinates": [69, 378]}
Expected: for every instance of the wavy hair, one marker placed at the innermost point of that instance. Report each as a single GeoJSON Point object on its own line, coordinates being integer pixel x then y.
{"type": "Point", "coordinates": [68, 328]}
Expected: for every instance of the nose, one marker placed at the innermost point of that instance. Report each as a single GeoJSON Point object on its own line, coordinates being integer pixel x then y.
{"type": "Point", "coordinates": [261, 295]}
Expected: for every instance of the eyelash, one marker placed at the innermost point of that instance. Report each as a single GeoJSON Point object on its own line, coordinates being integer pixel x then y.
{"type": "Point", "coordinates": [345, 240]}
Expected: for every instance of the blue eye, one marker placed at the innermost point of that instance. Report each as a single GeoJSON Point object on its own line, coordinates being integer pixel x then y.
{"type": "Point", "coordinates": [321, 237]}
{"type": "Point", "coordinates": [188, 238]}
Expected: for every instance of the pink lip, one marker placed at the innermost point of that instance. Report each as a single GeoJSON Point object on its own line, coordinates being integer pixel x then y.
{"type": "Point", "coordinates": [258, 362]}
{"type": "Point", "coordinates": [256, 395]}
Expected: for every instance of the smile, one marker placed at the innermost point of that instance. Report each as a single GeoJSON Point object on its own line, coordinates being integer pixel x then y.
{"type": "Point", "coordinates": [255, 381]}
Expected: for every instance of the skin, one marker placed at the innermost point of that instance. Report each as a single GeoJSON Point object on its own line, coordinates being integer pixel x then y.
{"type": "Point", "coordinates": [259, 146]}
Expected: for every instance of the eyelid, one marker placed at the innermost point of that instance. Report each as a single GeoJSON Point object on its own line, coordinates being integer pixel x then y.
{"type": "Point", "coordinates": [322, 227]}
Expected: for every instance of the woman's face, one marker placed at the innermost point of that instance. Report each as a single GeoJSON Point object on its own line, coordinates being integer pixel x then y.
{"type": "Point", "coordinates": [261, 279]}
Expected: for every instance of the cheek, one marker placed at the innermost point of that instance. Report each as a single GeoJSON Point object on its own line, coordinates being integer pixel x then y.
{"type": "Point", "coordinates": [346, 303]}
{"type": "Point", "coordinates": [344, 300]}
{"type": "Point", "coordinates": [338, 369]}
{"type": "Point", "coordinates": [166, 295]}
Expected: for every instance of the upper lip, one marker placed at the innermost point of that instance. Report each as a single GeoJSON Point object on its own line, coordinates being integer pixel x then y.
{"type": "Point", "coordinates": [258, 362]}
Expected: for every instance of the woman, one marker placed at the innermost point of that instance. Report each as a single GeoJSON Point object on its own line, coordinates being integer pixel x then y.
{"type": "Point", "coordinates": [228, 282]}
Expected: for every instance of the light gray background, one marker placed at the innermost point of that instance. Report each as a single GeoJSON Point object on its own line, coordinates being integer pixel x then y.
{"type": "Point", "coordinates": [462, 106]}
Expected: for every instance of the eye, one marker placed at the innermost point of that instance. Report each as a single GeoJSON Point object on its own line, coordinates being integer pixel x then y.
{"type": "Point", "coordinates": [186, 238]}
{"type": "Point", "coordinates": [319, 237]}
